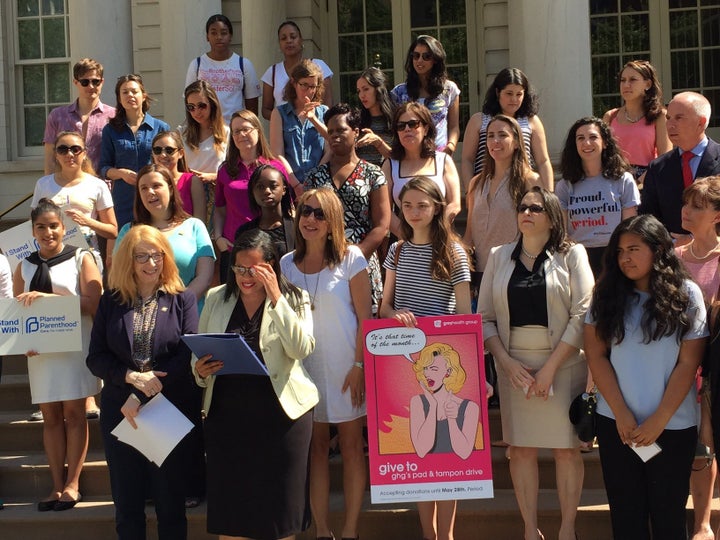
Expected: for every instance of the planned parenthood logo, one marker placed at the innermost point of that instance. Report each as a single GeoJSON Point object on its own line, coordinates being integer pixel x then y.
{"type": "Point", "coordinates": [31, 325]}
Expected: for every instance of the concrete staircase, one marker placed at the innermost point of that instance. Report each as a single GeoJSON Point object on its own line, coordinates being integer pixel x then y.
{"type": "Point", "coordinates": [24, 479]}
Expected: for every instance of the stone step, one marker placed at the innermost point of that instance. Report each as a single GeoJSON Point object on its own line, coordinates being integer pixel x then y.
{"type": "Point", "coordinates": [14, 365]}
{"type": "Point", "coordinates": [27, 474]}
{"type": "Point", "coordinates": [487, 518]}
{"type": "Point", "coordinates": [19, 435]}
{"type": "Point", "coordinates": [15, 392]}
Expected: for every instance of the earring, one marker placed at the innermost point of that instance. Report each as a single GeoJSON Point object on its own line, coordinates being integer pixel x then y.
{"type": "Point", "coordinates": [329, 236]}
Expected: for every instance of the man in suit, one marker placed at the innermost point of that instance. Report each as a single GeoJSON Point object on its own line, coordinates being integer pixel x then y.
{"type": "Point", "coordinates": [694, 156]}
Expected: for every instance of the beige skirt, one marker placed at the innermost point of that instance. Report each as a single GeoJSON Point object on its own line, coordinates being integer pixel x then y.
{"type": "Point", "coordinates": [534, 422]}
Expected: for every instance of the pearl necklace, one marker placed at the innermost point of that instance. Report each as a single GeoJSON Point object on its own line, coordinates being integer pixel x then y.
{"type": "Point", "coordinates": [531, 257]}
{"type": "Point", "coordinates": [710, 252]}
{"type": "Point", "coordinates": [627, 117]}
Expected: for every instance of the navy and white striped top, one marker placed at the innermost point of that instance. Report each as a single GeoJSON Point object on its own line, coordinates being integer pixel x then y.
{"type": "Point", "coordinates": [415, 288]}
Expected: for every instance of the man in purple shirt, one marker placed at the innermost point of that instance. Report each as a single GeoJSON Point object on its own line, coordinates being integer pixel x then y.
{"type": "Point", "coordinates": [87, 114]}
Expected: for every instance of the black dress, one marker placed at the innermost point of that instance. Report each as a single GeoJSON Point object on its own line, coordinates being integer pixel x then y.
{"type": "Point", "coordinates": [257, 457]}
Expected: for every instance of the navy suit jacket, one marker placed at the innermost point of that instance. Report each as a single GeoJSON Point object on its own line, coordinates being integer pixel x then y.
{"type": "Point", "coordinates": [662, 191]}
{"type": "Point", "coordinates": [110, 353]}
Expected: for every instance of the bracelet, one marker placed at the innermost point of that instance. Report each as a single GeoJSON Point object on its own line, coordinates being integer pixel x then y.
{"type": "Point", "coordinates": [359, 365]}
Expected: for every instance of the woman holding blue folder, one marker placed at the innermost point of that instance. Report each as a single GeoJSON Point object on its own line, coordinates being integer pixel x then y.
{"type": "Point", "coordinates": [258, 428]}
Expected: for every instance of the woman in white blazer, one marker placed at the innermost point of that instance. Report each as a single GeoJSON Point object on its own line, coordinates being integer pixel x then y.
{"type": "Point", "coordinates": [533, 298]}
{"type": "Point", "coordinates": [258, 429]}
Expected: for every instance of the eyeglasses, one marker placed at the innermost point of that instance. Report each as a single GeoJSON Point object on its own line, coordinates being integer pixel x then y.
{"type": "Point", "coordinates": [75, 149]}
{"type": "Point", "coordinates": [142, 258]}
{"type": "Point", "coordinates": [88, 82]}
{"type": "Point", "coordinates": [412, 124]}
{"type": "Point", "coordinates": [534, 208]}
{"type": "Point", "coordinates": [242, 270]}
{"type": "Point", "coordinates": [243, 131]}
{"type": "Point", "coordinates": [427, 56]}
{"type": "Point", "coordinates": [169, 150]}
{"type": "Point", "coordinates": [306, 210]}
{"type": "Point", "coordinates": [307, 86]}
{"type": "Point", "coordinates": [190, 107]}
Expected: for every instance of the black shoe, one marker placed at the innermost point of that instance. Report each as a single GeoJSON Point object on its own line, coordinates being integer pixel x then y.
{"type": "Point", "coordinates": [46, 506]}
{"type": "Point", "coordinates": [66, 505]}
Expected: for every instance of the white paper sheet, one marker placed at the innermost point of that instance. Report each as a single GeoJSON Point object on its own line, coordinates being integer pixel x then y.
{"type": "Point", "coordinates": [160, 427]}
{"type": "Point", "coordinates": [646, 453]}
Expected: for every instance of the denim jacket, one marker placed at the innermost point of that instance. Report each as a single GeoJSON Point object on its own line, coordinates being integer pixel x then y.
{"type": "Point", "coordinates": [125, 150]}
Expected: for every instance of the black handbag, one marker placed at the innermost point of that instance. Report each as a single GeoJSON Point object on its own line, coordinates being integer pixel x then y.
{"type": "Point", "coordinates": [582, 415]}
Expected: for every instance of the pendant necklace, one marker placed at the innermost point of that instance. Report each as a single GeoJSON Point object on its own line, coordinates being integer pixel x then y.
{"type": "Point", "coordinates": [307, 288]}
{"type": "Point", "coordinates": [631, 120]}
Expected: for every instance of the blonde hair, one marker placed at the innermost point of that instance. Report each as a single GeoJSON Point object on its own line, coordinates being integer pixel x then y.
{"type": "Point", "coordinates": [122, 271]}
{"type": "Point", "coordinates": [455, 380]}
{"type": "Point", "coordinates": [336, 244]}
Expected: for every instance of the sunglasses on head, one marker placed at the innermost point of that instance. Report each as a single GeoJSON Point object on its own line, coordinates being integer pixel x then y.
{"type": "Point", "coordinates": [169, 150]}
{"type": "Point", "coordinates": [87, 82]}
{"type": "Point", "coordinates": [63, 149]}
{"type": "Point", "coordinates": [534, 208]}
{"type": "Point", "coordinates": [412, 124]}
{"type": "Point", "coordinates": [190, 107]}
{"type": "Point", "coordinates": [306, 210]}
{"type": "Point", "coordinates": [427, 56]}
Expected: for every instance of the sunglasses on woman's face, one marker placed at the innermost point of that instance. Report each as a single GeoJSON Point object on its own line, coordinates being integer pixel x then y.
{"type": "Point", "coordinates": [534, 208]}
{"type": "Point", "coordinates": [63, 149]}
{"type": "Point", "coordinates": [190, 107]}
{"type": "Point", "coordinates": [427, 56]}
{"type": "Point", "coordinates": [169, 150]}
{"type": "Point", "coordinates": [242, 270]}
{"type": "Point", "coordinates": [412, 124]}
{"type": "Point", "coordinates": [306, 210]}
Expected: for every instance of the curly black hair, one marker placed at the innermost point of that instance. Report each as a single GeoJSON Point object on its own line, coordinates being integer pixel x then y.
{"type": "Point", "coordinates": [665, 311]}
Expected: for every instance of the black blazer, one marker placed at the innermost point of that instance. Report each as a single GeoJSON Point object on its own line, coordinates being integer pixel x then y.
{"type": "Point", "coordinates": [110, 353]}
{"type": "Point", "coordinates": [662, 191]}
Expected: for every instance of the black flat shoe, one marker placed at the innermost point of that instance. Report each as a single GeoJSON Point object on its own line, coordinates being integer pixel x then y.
{"type": "Point", "coordinates": [46, 506]}
{"type": "Point", "coordinates": [66, 505]}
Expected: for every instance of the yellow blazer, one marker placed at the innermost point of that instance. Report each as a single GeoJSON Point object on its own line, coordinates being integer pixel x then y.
{"type": "Point", "coordinates": [285, 340]}
{"type": "Point", "coordinates": [568, 280]}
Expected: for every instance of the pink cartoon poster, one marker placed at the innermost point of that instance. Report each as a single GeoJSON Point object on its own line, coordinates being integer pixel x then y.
{"type": "Point", "coordinates": [428, 432]}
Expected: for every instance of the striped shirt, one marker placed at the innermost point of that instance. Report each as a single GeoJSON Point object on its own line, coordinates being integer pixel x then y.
{"type": "Point", "coordinates": [415, 288]}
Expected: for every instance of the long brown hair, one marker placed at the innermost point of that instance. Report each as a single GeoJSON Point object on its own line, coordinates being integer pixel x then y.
{"type": "Point", "coordinates": [232, 158]}
{"type": "Point", "coordinates": [520, 170]}
{"type": "Point", "coordinates": [191, 132]}
{"type": "Point", "coordinates": [142, 215]}
{"type": "Point", "coordinates": [120, 119]}
{"type": "Point", "coordinates": [442, 238]}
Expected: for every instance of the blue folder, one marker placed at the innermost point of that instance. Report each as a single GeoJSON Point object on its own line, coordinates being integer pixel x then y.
{"type": "Point", "coordinates": [237, 356]}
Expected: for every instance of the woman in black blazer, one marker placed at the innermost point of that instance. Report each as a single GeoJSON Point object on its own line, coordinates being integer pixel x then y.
{"type": "Point", "coordinates": [136, 349]}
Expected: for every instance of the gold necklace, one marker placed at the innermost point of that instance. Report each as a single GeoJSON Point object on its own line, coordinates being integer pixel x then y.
{"type": "Point", "coordinates": [307, 288]}
{"type": "Point", "coordinates": [710, 252]}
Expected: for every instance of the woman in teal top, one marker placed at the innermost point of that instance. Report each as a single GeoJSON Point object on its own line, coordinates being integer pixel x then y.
{"type": "Point", "coordinates": [157, 203]}
{"type": "Point", "coordinates": [296, 129]}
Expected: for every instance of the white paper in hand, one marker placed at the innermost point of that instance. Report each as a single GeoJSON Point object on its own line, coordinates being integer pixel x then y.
{"type": "Point", "coordinates": [160, 427]}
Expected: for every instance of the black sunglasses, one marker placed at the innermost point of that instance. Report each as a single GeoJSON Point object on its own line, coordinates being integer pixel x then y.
{"type": "Point", "coordinates": [169, 150]}
{"type": "Point", "coordinates": [190, 107]}
{"type": "Point", "coordinates": [427, 56]}
{"type": "Point", "coordinates": [534, 208]}
{"type": "Point", "coordinates": [412, 124]}
{"type": "Point", "coordinates": [306, 210]}
{"type": "Point", "coordinates": [87, 82]}
{"type": "Point", "coordinates": [63, 149]}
